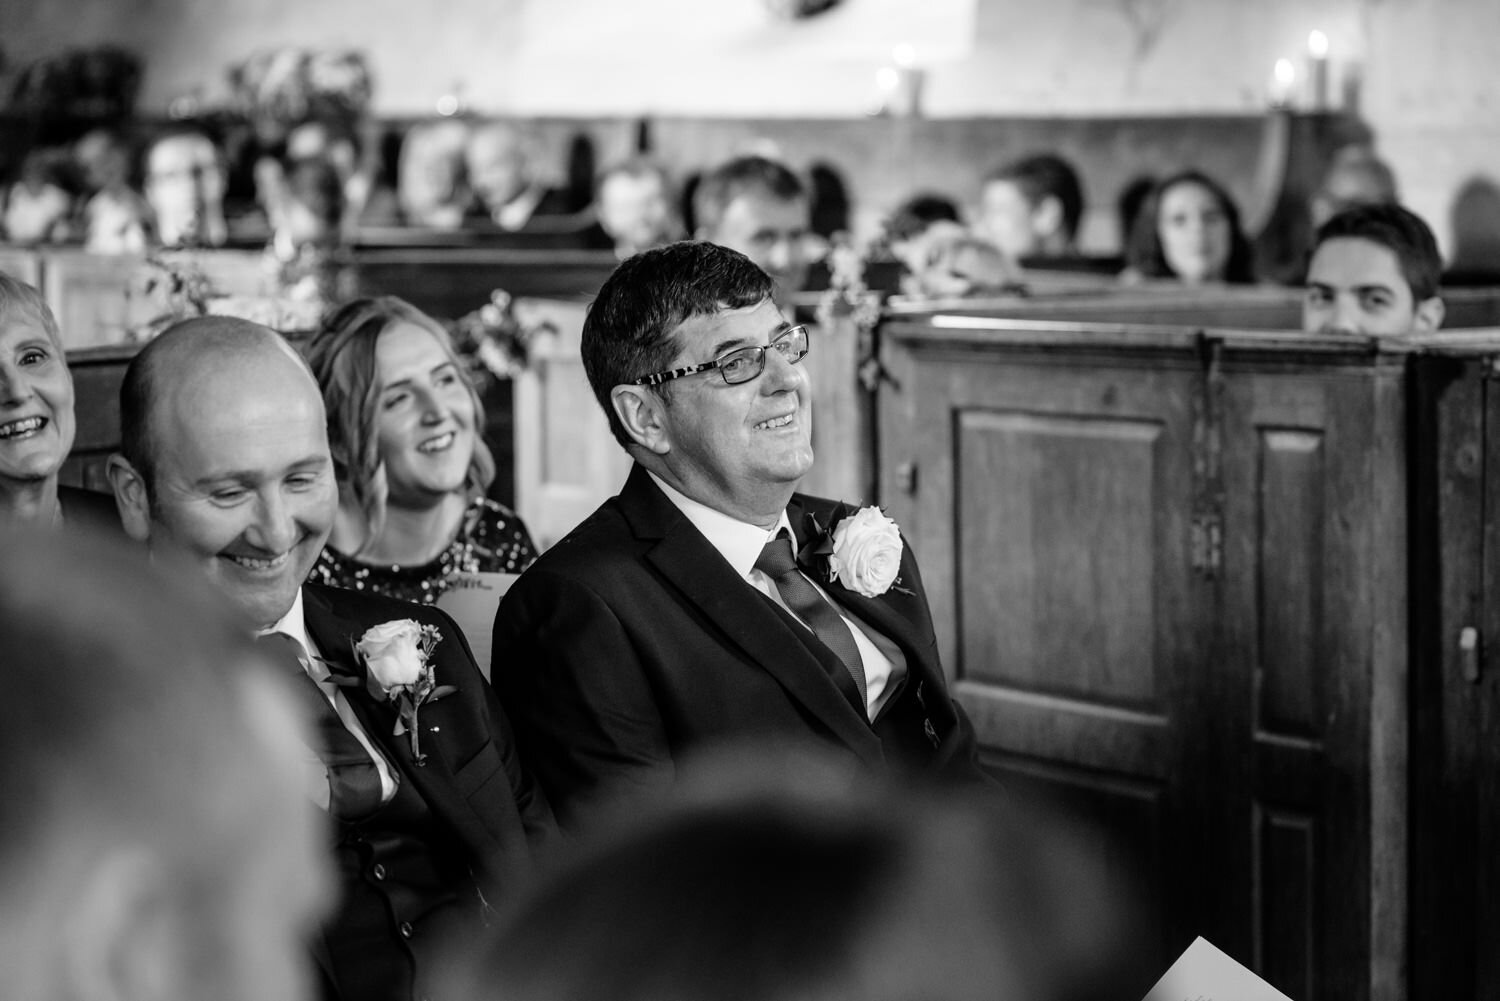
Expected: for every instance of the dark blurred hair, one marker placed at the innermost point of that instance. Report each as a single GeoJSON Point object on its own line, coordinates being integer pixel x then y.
{"type": "Point", "coordinates": [315, 183]}
{"type": "Point", "coordinates": [342, 355]}
{"type": "Point", "coordinates": [1144, 251]}
{"type": "Point", "coordinates": [628, 332]}
{"type": "Point", "coordinates": [798, 890]}
{"type": "Point", "coordinates": [829, 209]}
{"type": "Point", "coordinates": [1042, 176]}
{"type": "Point", "coordinates": [914, 215]}
{"type": "Point", "coordinates": [1400, 231]}
{"type": "Point", "coordinates": [722, 186]}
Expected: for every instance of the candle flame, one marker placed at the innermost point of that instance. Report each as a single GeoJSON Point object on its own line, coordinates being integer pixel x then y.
{"type": "Point", "coordinates": [1317, 45]}
{"type": "Point", "coordinates": [1285, 72]}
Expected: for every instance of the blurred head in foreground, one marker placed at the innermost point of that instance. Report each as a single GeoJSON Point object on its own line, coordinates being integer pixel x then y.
{"type": "Point", "coordinates": [804, 882]}
{"type": "Point", "coordinates": [157, 843]}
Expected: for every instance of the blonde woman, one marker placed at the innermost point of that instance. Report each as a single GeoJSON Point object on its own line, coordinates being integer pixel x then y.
{"type": "Point", "coordinates": [404, 427]}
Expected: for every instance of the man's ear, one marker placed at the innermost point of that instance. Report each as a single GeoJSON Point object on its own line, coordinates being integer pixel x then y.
{"type": "Point", "coordinates": [1430, 313]}
{"type": "Point", "coordinates": [130, 497]}
{"type": "Point", "coordinates": [641, 411]}
{"type": "Point", "coordinates": [1046, 217]}
{"type": "Point", "coordinates": [124, 937]}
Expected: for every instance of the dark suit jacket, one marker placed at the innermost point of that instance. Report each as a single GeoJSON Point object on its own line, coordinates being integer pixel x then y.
{"type": "Point", "coordinates": [472, 780]}
{"type": "Point", "coordinates": [632, 641]}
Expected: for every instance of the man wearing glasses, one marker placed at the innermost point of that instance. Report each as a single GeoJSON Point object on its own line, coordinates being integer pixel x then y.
{"type": "Point", "coordinates": [703, 604]}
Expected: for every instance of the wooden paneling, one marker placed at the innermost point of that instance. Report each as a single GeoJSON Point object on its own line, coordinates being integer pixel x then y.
{"type": "Point", "coordinates": [1175, 561]}
{"type": "Point", "coordinates": [22, 264]}
{"type": "Point", "coordinates": [1059, 517]}
{"type": "Point", "coordinates": [1288, 555]}
{"type": "Point", "coordinates": [567, 462]}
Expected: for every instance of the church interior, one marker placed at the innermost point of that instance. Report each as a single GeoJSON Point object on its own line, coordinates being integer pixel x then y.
{"type": "Point", "coordinates": [1211, 583]}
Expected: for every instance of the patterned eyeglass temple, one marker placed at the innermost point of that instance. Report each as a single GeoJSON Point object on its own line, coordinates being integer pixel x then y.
{"type": "Point", "coordinates": [742, 364]}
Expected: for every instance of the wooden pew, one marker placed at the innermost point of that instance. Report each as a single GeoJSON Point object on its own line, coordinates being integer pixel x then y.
{"type": "Point", "coordinates": [97, 374]}
{"type": "Point", "coordinates": [1207, 587]}
{"type": "Point", "coordinates": [21, 263]}
{"type": "Point", "coordinates": [451, 282]}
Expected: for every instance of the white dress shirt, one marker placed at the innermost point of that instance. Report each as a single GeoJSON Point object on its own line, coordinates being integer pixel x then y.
{"type": "Point", "coordinates": [292, 624]}
{"type": "Point", "coordinates": [740, 544]}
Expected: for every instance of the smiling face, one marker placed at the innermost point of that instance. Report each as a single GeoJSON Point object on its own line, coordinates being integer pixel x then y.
{"type": "Point", "coordinates": [739, 449]}
{"type": "Point", "coordinates": [243, 480]}
{"type": "Point", "coordinates": [1356, 286]}
{"type": "Point", "coordinates": [1194, 232]}
{"type": "Point", "coordinates": [424, 417]}
{"type": "Point", "coordinates": [36, 400]}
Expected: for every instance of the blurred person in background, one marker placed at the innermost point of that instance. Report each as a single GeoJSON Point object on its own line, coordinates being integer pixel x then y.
{"type": "Point", "coordinates": [1188, 231]}
{"type": "Point", "coordinates": [405, 426]}
{"type": "Point", "coordinates": [1355, 177]}
{"type": "Point", "coordinates": [757, 206]}
{"type": "Point", "coordinates": [115, 215]}
{"type": "Point", "coordinates": [36, 421]}
{"type": "Point", "coordinates": [635, 205]}
{"type": "Point", "coordinates": [184, 185]}
{"type": "Point", "coordinates": [38, 207]}
{"type": "Point", "coordinates": [796, 880]}
{"type": "Point", "coordinates": [430, 184]}
{"type": "Point", "coordinates": [1373, 271]}
{"type": "Point", "coordinates": [1031, 208]}
{"type": "Point", "coordinates": [307, 256]}
{"type": "Point", "coordinates": [157, 843]}
{"type": "Point", "coordinates": [509, 191]}
{"type": "Point", "coordinates": [914, 226]}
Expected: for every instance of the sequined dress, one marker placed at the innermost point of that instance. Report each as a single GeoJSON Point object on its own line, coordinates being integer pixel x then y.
{"type": "Point", "coordinates": [491, 539]}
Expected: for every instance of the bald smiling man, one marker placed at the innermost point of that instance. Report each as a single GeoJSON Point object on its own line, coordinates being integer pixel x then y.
{"type": "Point", "coordinates": [225, 463]}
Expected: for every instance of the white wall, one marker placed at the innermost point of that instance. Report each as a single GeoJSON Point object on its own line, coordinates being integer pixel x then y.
{"type": "Point", "coordinates": [1430, 90]}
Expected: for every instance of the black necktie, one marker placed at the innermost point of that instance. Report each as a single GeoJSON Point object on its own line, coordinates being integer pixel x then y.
{"type": "Point", "coordinates": [353, 780]}
{"type": "Point", "coordinates": [777, 562]}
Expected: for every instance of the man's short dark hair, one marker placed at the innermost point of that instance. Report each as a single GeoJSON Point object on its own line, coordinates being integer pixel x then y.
{"type": "Point", "coordinates": [741, 175]}
{"type": "Point", "coordinates": [1399, 230]}
{"type": "Point", "coordinates": [1042, 176]}
{"type": "Point", "coordinates": [914, 215]}
{"type": "Point", "coordinates": [628, 331]}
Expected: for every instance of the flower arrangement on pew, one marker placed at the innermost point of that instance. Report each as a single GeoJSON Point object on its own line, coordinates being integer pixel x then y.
{"type": "Point", "coordinates": [175, 283]}
{"type": "Point", "coordinates": [495, 339]}
{"type": "Point", "coordinates": [848, 297]}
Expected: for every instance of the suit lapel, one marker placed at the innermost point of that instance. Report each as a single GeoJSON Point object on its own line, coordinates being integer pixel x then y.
{"type": "Point", "coordinates": [707, 582]}
{"type": "Point", "coordinates": [433, 780]}
{"type": "Point", "coordinates": [895, 615]}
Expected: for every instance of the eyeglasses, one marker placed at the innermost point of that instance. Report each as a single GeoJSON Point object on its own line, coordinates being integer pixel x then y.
{"type": "Point", "coordinates": [741, 364]}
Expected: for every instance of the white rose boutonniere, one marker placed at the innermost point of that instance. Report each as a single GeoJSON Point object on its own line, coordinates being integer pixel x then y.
{"type": "Point", "coordinates": [866, 556]}
{"type": "Point", "coordinates": [395, 657]}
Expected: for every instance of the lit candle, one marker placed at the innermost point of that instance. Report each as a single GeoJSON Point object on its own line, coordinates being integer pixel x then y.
{"type": "Point", "coordinates": [1283, 77]}
{"type": "Point", "coordinates": [908, 96]}
{"type": "Point", "coordinates": [1317, 69]}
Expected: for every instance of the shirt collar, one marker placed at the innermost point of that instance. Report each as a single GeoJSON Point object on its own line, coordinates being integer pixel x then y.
{"type": "Point", "coordinates": [294, 625]}
{"type": "Point", "coordinates": [737, 541]}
